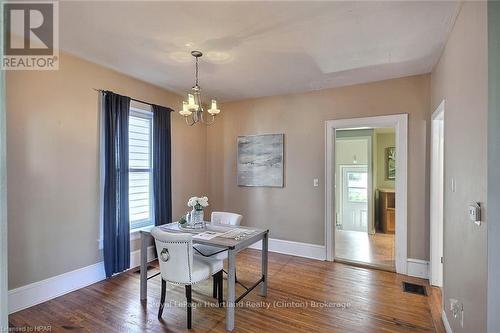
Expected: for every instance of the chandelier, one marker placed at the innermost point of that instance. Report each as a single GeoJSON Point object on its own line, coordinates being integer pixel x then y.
{"type": "Point", "coordinates": [192, 109]}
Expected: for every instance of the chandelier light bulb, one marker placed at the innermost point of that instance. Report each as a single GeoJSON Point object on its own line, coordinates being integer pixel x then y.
{"type": "Point", "coordinates": [185, 109]}
{"type": "Point", "coordinates": [213, 109]}
{"type": "Point", "coordinates": [191, 103]}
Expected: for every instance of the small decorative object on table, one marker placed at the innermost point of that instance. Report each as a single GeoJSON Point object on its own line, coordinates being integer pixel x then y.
{"type": "Point", "coordinates": [195, 218]}
{"type": "Point", "coordinates": [182, 220]}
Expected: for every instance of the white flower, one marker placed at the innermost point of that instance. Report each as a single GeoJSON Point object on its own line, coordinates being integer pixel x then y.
{"type": "Point", "coordinates": [192, 201]}
{"type": "Point", "coordinates": [203, 201]}
{"type": "Point", "coordinates": [195, 201]}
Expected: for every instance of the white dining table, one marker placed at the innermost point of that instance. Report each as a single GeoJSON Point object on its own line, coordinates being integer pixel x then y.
{"type": "Point", "coordinates": [233, 246]}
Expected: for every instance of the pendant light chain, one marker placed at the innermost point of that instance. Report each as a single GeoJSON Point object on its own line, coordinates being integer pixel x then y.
{"type": "Point", "coordinates": [196, 72]}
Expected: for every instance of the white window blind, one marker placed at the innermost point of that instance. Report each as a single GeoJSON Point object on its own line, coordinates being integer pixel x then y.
{"type": "Point", "coordinates": [140, 169]}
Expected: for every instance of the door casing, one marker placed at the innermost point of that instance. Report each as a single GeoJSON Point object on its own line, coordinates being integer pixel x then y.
{"type": "Point", "coordinates": [437, 196]}
{"type": "Point", "coordinates": [400, 123]}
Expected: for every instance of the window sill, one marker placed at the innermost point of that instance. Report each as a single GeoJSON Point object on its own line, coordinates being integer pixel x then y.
{"type": "Point", "coordinates": [136, 233]}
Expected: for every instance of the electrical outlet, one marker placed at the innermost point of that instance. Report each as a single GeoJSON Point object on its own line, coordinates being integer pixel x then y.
{"type": "Point", "coordinates": [454, 307]}
{"type": "Point", "coordinates": [457, 310]}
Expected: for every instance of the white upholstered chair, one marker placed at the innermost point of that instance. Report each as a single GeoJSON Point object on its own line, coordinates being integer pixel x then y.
{"type": "Point", "coordinates": [218, 219]}
{"type": "Point", "coordinates": [225, 218]}
{"type": "Point", "coordinates": [207, 251]}
{"type": "Point", "coordinates": [179, 266]}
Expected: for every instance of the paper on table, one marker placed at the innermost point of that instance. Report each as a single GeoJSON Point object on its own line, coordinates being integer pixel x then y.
{"type": "Point", "coordinates": [207, 235]}
{"type": "Point", "coordinates": [237, 233]}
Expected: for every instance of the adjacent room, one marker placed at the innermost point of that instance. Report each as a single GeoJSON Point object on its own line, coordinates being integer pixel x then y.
{"type": "Point", "coordinates": [249, 166]}
{"type": "Point", "coordinates": [365, 216]}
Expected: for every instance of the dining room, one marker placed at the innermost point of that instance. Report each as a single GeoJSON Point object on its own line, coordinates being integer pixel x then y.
{"type": "Point", "coordinates": [173, 166]}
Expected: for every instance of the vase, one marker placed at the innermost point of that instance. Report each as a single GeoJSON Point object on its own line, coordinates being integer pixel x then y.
{"type": "Point", "coordinates": [196, 219]}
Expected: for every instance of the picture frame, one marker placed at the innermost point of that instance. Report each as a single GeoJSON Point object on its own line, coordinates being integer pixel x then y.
{"type": "Point", "coordinates": [260, 160]}
{"type": "Point", "coordinates": [390, 163]}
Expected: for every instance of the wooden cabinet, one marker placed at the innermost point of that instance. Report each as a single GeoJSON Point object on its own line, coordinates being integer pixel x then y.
{"type": "Point", "coordinates": [387, 209]}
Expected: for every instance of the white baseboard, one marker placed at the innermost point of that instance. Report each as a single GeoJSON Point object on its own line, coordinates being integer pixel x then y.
{"type": "Point", "coordinates": [418, 268]}
{"type": "Point", "coordinates": [306, 250]}
{"type": "Point", "coordinates": [446, 323]}
{"type": "Point", "coordinates": [42, 291]}
{"type": "Point", "coordinates": [45, 290]}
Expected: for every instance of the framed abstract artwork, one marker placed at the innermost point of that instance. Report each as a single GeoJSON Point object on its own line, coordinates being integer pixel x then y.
{"type": "Point", "coordinates": [260, 160]}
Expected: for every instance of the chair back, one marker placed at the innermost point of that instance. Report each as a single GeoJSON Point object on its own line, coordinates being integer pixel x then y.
{"type": "Point", "coordinates": [225, 218]}
{"type": "Point", "coordinates": [175, 255]}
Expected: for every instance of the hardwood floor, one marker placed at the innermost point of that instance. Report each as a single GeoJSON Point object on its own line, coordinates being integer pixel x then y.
{"type": "Point", "coordinates": [377, 249]}
{"type": "Point", "coordinates": [304, 296]}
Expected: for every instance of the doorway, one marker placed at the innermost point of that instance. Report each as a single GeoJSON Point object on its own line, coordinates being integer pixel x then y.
{"type": "Point", "coordinates": [364, 191]}
{"type": "Point", "coordinates": [399, 124]}
{"type": "Point", "coordinates": [436, 197]}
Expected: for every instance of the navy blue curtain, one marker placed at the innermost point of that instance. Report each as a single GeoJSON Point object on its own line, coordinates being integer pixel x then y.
{"type": "Point", "coordinates": [116, 226]}
{"type": "Point", "coordinates": [162, 173]}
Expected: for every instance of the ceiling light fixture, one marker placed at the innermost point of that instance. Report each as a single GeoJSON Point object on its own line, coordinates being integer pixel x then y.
{"type": "Point", "coordinates": [192, 109]}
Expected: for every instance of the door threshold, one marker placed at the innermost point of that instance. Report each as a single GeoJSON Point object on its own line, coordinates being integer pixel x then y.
{"type": "Point", "coordinates": [381, 267]}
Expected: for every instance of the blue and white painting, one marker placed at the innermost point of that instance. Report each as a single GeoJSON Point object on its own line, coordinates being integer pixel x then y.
{"type": "Point", "coordinates": [260, 160]}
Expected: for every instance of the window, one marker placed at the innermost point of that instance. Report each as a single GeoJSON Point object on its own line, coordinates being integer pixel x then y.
{"type": "Point", "coordinates": [357, 186]}
{"type": "Point", "coordinates": [140, 168]}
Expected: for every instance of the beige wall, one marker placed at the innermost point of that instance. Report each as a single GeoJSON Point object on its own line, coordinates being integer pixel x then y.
{"type": "Point", "coordinates": [52, 143]}
{"type": "Point", "coordinates": [296, 212]}
{"type": "Point", "coordinates": [461, 78]}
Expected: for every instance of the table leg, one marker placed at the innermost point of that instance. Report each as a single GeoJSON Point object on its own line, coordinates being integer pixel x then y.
{"type": "Point", "coordinates": [263, 290]}
{"type": "Point", "coordinates": [231, 292]}
{"type": "Point", "coordinates": [144, 268]}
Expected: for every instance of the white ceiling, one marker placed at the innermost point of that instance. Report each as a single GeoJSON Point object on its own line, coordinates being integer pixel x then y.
{"type": "Point", "coordinates": [258, 48]}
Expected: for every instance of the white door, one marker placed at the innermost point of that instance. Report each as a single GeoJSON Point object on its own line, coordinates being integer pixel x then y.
{"type": "Point", "coordinates": [355, 198]}
{"type": "Point", "coordinates": [436, 197]}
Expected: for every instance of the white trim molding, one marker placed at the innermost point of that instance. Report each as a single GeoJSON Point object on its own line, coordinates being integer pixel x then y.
{"type": "Point", "coordinates": [418, 268]}
{"type": "Point", "coordinates": [436, 206]}
{"type": "Point", "coordinates": [45, 290]}
{"type": "Point", "coordinates": [400, 123]}
{"type": "Point", "coordinates": [446, 323]}
{"type": "Point", "coordinates": [298, 249]}
{"type": "Point", "coordinates": [135, 234]}
{"type": "Point", "coordinates": [42, 291]}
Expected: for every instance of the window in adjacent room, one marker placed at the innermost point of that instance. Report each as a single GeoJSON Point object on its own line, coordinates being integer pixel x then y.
{"type": "Point", "coordinates": [140, 166]}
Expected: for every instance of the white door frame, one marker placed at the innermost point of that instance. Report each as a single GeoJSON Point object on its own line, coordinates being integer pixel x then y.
{"type": "Point", "coordinates": [437, 196]}
{"type": "Point", "coordinates": [400, 123]}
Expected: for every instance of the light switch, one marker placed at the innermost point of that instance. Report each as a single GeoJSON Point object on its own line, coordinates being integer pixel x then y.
{"type": "Point", "coordinates": [315, 182]}
{"type": "Point", "coordinates": [475, 212]}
